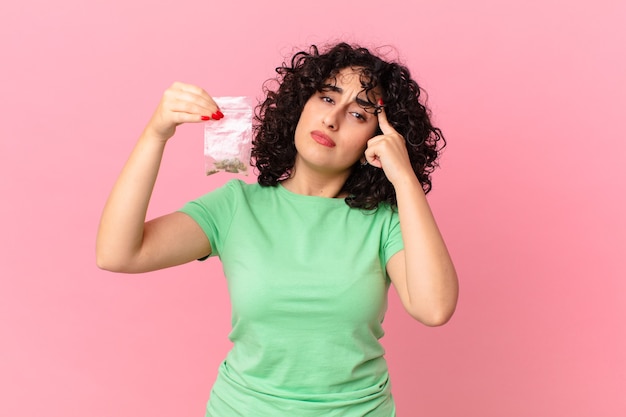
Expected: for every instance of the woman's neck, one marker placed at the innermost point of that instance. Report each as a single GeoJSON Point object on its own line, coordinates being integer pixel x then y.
{"type": "Point", "coordinates": [315, 184]}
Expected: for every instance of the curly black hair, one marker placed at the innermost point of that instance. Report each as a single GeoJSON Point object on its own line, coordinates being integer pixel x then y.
{"type": "Point", "coordinates": [276, 118]}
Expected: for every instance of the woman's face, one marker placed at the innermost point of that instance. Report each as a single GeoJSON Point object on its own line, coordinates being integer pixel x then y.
{"type": "Point", "coordinates": [334, 127]}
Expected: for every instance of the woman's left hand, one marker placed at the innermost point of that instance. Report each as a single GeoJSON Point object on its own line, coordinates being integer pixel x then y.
{"type": "Point", "coordinates": [422, 273]}
{"type": "Point", "coordinates": [388, 151]}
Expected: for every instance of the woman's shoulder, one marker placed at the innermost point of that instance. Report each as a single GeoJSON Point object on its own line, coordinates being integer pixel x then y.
{"type": "Point", "coordinates": [382, 210]}
{"type": "Point", "coordinates": [241, 186]}
{"type": "Point", "coordinates": [229, 191]}
{"type": "Point", "coordinates": [238, 185]}
{"type": "Point", "coordinates": [239, 189]}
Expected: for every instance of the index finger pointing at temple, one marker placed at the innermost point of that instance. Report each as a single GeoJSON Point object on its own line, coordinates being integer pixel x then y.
{"type": "Point", "coordinates": [383, 123]}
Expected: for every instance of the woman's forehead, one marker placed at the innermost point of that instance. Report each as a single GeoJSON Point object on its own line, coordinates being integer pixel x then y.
{"type": "Point", "coordinates": [353, 78]}
{"type": "Point", "coordinates": [349, 75]}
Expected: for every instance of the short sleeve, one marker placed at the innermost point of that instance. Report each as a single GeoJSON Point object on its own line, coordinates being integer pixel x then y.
{"type": "Point", "coordinates": [214, 213]}
{"type": "Point", "coordinates": [392, 241]}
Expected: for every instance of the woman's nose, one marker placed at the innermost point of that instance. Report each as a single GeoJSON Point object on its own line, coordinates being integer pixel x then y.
{"type": "Point", "coordinates": [331, 119]}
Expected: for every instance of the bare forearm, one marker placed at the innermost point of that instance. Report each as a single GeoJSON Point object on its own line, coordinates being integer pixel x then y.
{"type": "Point", "coordinates": [431, 280]}
{"type": "Point", "coordinates": [122, 223]}
{"type": "Point", "coordinates": [125, 242]}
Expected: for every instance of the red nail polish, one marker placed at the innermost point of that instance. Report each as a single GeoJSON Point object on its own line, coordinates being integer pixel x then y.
{"type": "Point", "coordinates": [220, 114]}
{"type": "Point", "coordinates": [380, 102]}
{"type": "Point", "coordinates": [205, 118]}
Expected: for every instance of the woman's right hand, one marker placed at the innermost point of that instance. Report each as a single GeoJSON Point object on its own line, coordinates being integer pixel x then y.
{"type": "Point", "coordinates": [181, 103]}
{"type": "Point", "coordinates": [125, 242]}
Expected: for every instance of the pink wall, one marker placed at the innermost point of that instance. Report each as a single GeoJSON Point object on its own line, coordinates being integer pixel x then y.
{"type": "Point", "coordinates": [531, 198]}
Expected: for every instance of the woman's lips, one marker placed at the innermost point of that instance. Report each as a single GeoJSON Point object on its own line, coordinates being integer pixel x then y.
{"type": "Point", "coordinates": [322, 139]}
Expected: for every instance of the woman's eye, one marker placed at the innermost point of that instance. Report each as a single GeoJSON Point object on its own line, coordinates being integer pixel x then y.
{"type": "Point", "coordinates": [358, 115]}
{"type": "Point", "coordinates": [327, 99]}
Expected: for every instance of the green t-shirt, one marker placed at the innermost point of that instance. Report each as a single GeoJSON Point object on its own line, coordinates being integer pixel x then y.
{"type": "Point", "coordinates": [308, 287]}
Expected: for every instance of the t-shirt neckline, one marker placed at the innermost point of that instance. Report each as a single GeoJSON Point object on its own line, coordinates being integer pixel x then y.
{"type": "Point", "coordinates": [310, 198]}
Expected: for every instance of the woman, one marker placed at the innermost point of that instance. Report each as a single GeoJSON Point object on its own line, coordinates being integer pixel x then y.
{"type": "Point", "coordinates": [344, 151]}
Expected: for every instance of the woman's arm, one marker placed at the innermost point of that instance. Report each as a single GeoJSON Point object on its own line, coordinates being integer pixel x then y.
{"type": "Point", "coordinates": [423, 273]}
{"type": "Point", "coordinates": [125, 242]}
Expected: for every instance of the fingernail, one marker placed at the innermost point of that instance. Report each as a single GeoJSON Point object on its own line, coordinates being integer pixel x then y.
{"type": "Point", "coordinates": [380, 102]}
{"type": "Point", "coordinates": [205, 118]}
{"type": "Point", "coordinates": [220, 114]}
{"type": "Point", "coordinates": [215, 116]}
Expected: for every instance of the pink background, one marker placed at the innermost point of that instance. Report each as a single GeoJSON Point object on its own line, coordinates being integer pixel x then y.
{"type": "Point", "coordinates": [531, 199]}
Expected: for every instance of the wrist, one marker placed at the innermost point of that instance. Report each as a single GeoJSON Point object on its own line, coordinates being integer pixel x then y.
{"type": "Point", "coordinates": [151, 136]}
{"type": "Point", "coordinates": [407, 182]}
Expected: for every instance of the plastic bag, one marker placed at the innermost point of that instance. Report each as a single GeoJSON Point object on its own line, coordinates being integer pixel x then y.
{"type": "Point", "coordinates": [228, 141]}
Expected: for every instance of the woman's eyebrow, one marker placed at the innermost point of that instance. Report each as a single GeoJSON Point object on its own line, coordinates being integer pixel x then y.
{"type": "Point", "coordinates": [361, 102]}
{"type": "Point", "coordinates": [364, 103]}
{"type": "Point", "coordinates": [330, 87]}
